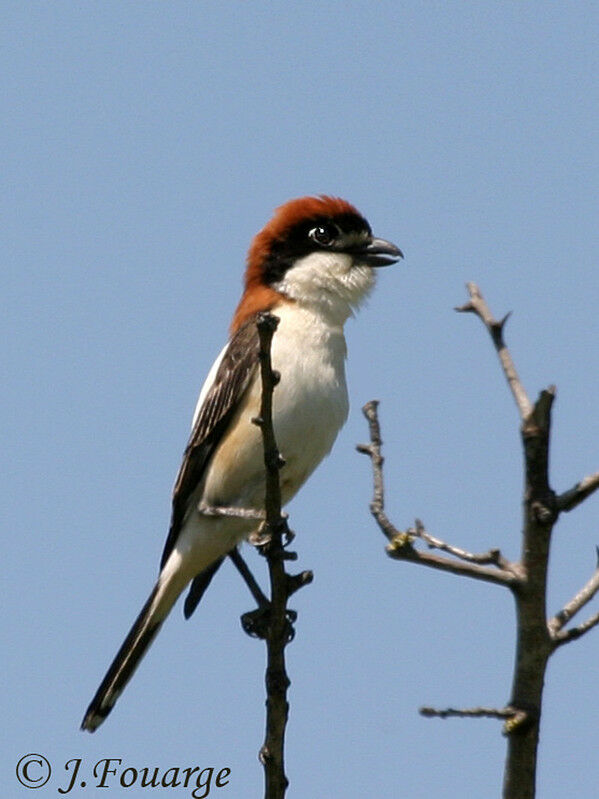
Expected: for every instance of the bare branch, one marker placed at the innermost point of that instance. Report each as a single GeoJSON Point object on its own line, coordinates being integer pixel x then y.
{"type": "Point", "coordinates": [278, 625]}
{"type": "Point", "coordinates": [469, 712]}
{"type": "Point", "coordinates": [373, 450]}
{"type": "Point", "coordinates": [400, 543]}
{"type": "Point", "coordinates": [514, 719]}
{"type": "Point", "coordinates": [534, 643]}
{"type": "Point", "coordinates": [574, 496]}
{"type": "Point", "coordinates": [492, 556]}
{"type": "Point", "coordinates": [565, 636]}
{"type": "Point", "coordinates": [584, 596]}
{"type": "Point", "coordinates": [537, 637]}
{"type": "Point", "coordinates": [478, 306]}
{"type": "Point", "coordinates": [401, 548]}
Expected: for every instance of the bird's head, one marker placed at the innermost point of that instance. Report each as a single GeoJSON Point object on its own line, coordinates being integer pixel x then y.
{"type": "Point", "coordinates": [317, 251]}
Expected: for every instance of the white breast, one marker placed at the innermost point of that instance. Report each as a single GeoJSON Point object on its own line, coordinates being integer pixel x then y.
{"type": "Point", "coordinates": [310, 405]}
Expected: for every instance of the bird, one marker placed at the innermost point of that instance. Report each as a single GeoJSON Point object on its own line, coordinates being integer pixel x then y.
{"type": "Point", "coordinates": [312, 265]}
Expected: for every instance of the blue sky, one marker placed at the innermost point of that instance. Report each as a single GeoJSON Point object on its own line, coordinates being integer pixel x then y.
{"type": "Point", "coordinates": [143, 145]}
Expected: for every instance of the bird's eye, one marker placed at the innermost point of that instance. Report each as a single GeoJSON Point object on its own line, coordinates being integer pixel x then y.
{"type": "Point", "coordinates": [323, 235]}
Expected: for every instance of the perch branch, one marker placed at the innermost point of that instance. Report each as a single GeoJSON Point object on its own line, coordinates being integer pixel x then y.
{"type": "Point", "coordinates": [279, 620]}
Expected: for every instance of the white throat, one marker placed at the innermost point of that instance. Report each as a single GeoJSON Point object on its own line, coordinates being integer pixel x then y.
{"type": "Point", "coordinates": [328, 283]}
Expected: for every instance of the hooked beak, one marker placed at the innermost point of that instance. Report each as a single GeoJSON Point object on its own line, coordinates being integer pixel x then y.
{"type": "Point", "coordinates": [380, 253]}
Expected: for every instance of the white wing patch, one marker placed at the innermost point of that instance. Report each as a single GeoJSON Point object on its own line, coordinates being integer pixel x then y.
{"type": "Point", "coordinates": [208, 384]}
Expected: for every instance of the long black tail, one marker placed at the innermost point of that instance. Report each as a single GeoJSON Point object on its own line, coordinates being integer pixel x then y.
{"type": "Point", "coordinates": [127, 659]}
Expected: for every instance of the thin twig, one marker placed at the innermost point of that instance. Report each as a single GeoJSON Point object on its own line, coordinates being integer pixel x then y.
{"type": "Point", "coordinates": [586, 593]}
{"type": "Point", "coordinates": [402, 549]}
{"type": "Point", "coordinates": [492, 556]}
{"type": "Point", "coordinates": [478, 306]}
{"type": "Point", "coordinates": [515, 719]}
{"type": "Point", "coordinates": [400, 543]}
{"type": "Point", "coordinates": [574, 496]}
{"type": "Point", "coordinates": [468, 712]}
{"type": "Point", "coordinates": [373, 450]}
{"type": "Point", "coordinates": [565, 636]}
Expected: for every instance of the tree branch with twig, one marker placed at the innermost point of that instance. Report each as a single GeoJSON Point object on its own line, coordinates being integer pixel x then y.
{"type": "Point", "coordinates": [273, 620]}
{"type": "Point", "coordinates": [537, 637]}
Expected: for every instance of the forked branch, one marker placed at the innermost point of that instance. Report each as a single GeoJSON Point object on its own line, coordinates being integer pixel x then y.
{"type": "Point", "coordinates": [477, 305]}
{"type": "Point", "coordinates": [583, 597]}
{"type": "Point", "coordinates": [401, 543]}
{"type": "Point", "coordinates": [537, 637]}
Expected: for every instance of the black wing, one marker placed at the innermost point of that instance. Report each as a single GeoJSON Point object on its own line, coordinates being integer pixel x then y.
{"type": "Point", "coordinates": [232, 379]}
